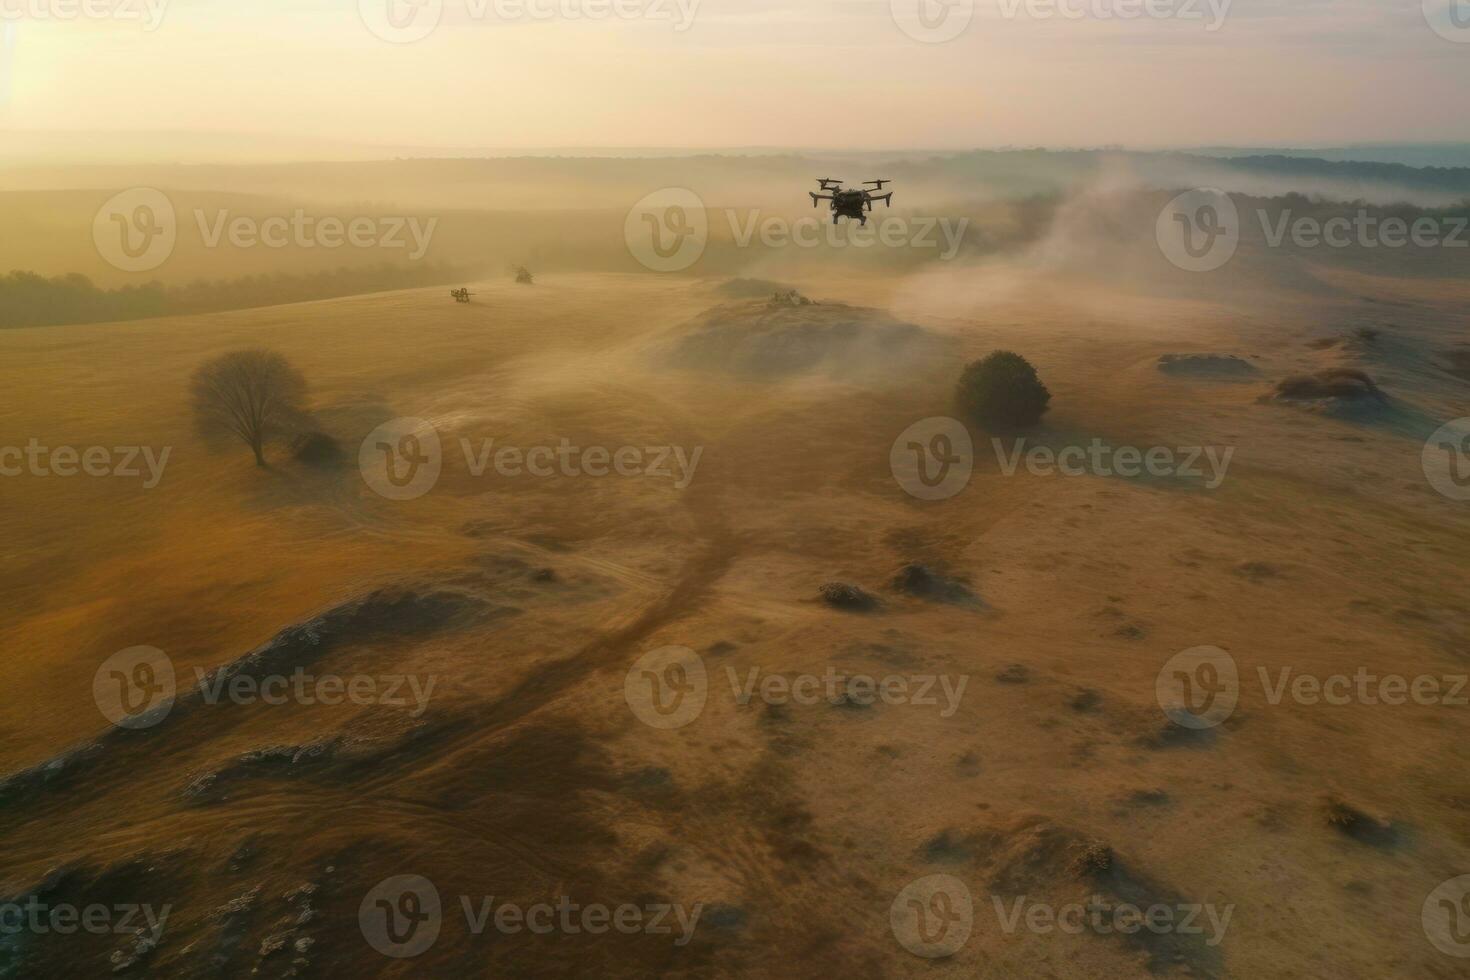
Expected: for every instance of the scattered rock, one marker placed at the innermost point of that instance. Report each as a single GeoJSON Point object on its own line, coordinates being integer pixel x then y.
{"type": "Point", "coordinates": [842, 595]}
{"type": "Point", "coordinates": [1374, 830]}
{"type": "Point", "coordinates": [1148, 797]}
{"type": "Point", "coordinates": [723, 916]}
{"type": "Point", "coordinates": [922, 582]}
{"type": "Point", "coordinates": [1014, 674]}
{"type": "Point", "coordinates": [947, 847]}
{"type": "Point", "coordinates": [1085, 700]}
{"type": "Point", "coordinates": [1458, 362]}
{"type": "Point", "coordinates": [1090, 857]}
{"type": "Point", "coordinates": [1257, 571]}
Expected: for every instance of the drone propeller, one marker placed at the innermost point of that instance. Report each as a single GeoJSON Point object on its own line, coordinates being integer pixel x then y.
{"type": "Point", "coordinates": [880, 183]}
{"type": "Point", "coordinates": [829, 183]}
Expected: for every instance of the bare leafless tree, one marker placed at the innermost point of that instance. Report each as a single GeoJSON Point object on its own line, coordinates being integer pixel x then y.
{"type": "Point", "coordinates": [255, 395]}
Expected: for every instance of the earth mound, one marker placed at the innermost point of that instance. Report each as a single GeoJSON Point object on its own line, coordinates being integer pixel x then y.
{"type": "Point", "coordinates": [776, 337]}
{"type": "Point", "coordinates": [1206, 365]}
{"type": "Point", "coordinates": [1343, 384]}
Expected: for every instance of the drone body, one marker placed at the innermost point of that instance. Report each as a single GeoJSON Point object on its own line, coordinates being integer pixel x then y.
{"type": "Point", "coordinates": [851, 202]}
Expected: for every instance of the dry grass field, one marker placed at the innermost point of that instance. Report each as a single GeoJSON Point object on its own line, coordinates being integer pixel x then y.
{"type": "Point", "coordinates": [524, 750]}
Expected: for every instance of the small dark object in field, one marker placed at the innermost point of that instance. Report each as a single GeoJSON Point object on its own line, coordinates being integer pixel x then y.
{"type": "Point", "coordinates": [1002, 390]}
{"type": "Point", "coordinates": [523, 276]}
{"type": "Point", "coordinates": [1091, 857]}
{"type": "Point", "coordinates": [1360, 826]}
{"type": "Point", "coordinates": [841, 595]}
{"type": "Point", "coordinates": [1014, 674]}
{"type": "Point", "coordinates": [1086, 699]}
{"type": "Point", "coordinates": [316, 449]}
{"type": "Point", "coordinates": [1332, 383]}
{"type": "Point", "coordinates": [922, 582]}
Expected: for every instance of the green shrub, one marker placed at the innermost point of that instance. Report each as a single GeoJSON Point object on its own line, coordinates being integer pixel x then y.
{"type": "Point", "coordinates": [1002, 391]}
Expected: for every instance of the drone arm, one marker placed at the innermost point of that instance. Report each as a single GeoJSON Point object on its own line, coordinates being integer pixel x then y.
{"type": "Point", "coordinates": [818, 197]}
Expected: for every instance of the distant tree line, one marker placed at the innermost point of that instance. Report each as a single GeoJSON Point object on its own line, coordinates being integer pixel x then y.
{"type": "Point", "coordinates": [31, 300]}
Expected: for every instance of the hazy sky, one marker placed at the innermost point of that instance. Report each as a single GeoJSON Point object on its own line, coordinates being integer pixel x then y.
{"type": "Point", "coordinates": [809, 73]}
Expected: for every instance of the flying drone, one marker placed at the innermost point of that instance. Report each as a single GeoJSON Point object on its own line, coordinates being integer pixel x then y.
{"type": "Point", "coordinates": [851, 202]}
